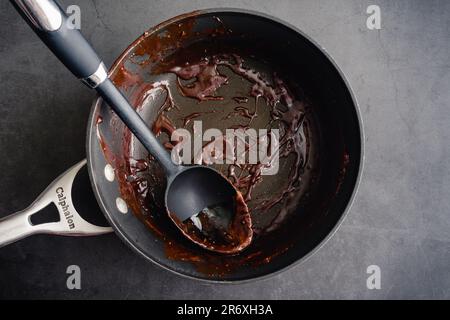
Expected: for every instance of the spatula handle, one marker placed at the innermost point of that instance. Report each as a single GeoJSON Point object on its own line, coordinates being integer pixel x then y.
{"type": "Point", "coordinates": [68, 44]}
{"type": "Point", "coordinates": [50, 23]}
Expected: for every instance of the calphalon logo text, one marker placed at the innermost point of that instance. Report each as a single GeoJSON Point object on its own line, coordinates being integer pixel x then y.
{"type": "Point", "coordinates": [65, 207]}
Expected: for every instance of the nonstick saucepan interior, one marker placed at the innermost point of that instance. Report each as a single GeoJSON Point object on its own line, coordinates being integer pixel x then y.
{"type": "Point", "coordinates": [329, 174]}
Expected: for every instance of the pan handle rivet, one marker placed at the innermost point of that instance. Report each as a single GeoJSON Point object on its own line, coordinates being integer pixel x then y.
{"type": "Point", "coordinates": [109, 173]}
{"type": "Point", "coordinates": [122, 205]}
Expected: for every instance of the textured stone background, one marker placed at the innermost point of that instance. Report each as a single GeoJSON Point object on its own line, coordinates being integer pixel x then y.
{"type": "Point", "coordinates": [401, 216]}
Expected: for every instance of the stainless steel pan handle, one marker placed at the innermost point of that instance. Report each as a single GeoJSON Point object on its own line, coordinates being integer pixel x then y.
{"type": "Point", "coordinates": [18, 226]}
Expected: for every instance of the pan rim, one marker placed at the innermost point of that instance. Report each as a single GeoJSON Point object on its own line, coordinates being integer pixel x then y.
{"type": "Point", "coordinates": [348, 206]}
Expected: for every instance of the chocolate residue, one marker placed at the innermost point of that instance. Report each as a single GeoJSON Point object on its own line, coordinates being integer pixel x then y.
{"type": "Point", "coordinates": [213, 231]}
{"type": "Point", "coordinates": [155, 47]}
{"type": "Point", "coordinates": [163, 125]}
{"type": "Point", "coordinates": [190, 117]}
{"type": "Point", "coordinates": [205, 79]}
{"type": "Point", "coordinates": [125, 79]}
{"type": "Point", "coordinates": [208, 80]}
{"type": "Point", "coordinates": [227, 92]}
{"type": "Point", "coordinates": [241, 99]}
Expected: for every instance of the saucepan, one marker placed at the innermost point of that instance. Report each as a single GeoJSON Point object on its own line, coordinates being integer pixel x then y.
{"type": "Point", "coordinates": [222, 69]}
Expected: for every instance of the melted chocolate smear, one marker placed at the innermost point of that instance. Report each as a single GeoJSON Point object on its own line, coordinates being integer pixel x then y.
{"type": "Point", "coordinates": [205, 79]}
{"type": "Point", "coordinates": [188, 119]}
{"type": "Point", "coordinates": [224, 228]}
{"type": "Point", "coordinates": [208, 80]}
{"type": "Point", "coordinates": [142, 182]}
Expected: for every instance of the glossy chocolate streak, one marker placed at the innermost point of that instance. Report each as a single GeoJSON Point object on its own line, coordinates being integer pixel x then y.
{"type": "Point", "coordinates": [257, 100]}
{"type": "Point", "coordinates": [204, 80]}
{"type": "Point", "coordinates": [227, 237]}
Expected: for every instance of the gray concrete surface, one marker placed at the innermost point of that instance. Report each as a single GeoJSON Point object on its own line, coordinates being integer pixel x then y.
{"type": "Point", "coordinates": [400, 220]}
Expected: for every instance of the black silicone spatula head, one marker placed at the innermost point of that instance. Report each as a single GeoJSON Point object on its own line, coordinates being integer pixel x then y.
{"type": "Point", "coordinates": [213, 213]}
{"type": "Point", "coordinates": [196, 188]}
